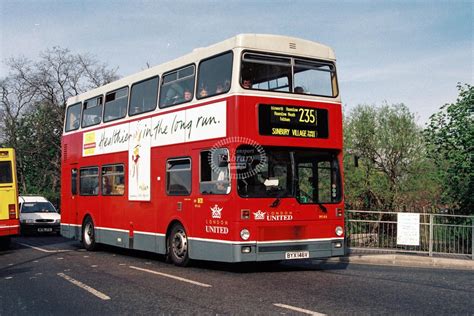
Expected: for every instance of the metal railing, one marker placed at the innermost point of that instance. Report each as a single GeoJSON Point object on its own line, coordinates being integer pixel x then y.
{"type": "Point", "coordinates": [440, 234]}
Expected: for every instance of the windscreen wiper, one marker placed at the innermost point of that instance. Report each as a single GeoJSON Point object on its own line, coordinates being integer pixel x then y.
{"type": "Point", "coordinates": [275, 203]}
{"type": "Point", "coordinates": [323, 208]}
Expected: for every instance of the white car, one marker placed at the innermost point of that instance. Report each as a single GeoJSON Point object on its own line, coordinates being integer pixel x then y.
{"type": "Point", "coordinates": [38, 215]}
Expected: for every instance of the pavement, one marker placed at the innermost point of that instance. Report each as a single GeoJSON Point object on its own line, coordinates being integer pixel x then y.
{"type": "Point", "coordinates": [404, 260]}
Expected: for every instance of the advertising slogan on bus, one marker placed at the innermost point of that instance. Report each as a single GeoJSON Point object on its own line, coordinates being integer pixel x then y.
{"type": "Point", "coordinates": [194, 124]}
{"type": "Point", "coordinates": [137, 137]}
{"type": "Point", "coordinates": [292, 121]}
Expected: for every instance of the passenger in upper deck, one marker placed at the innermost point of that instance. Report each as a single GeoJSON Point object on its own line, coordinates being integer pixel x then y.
{"type": "Point", "coordinates": [299, 89]}
{"type": "Point", "coordinates": [246, 83]}
{"type": "Point", "coordinates": [226, 85]}
{"type": "Point", "coordinates": [219, 89]}
{"type": "Point", "coordinates": [187, 95]}
{"type": "Point", "coordinates": [203, 93]}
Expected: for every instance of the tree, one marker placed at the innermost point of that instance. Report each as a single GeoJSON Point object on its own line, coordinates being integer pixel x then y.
{"type": "Point", "coordinates": [32, 108]}
{"type": "Point", "coordinates": [388, 148]}
{"type": "Point", "coordinates": [450, 138]}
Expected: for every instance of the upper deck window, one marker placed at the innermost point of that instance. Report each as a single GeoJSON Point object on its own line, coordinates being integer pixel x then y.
{"type": "Point", "coordinates": [177, 87]}
{"type": "Point", "coordinates": [92, 111]}
{"type": "Point", "coordinates": [263, 72]}
{"type": "Point", "coordinates": [144, 96]}
{"type": "Point", "coordinates": [73, 116]}
{"type": "Point", "coordinates": [315, 78]}
{"type": "Point", "coordinates": [214, 75]}
{"type": "Point", "coordinates": [115, 104]}
{"type": "Point", "coordinates": [288, 74]}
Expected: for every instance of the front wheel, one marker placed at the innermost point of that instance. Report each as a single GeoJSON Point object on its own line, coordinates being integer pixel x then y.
{"type": "Point", "coordinates": [178, 249]}
{"type": "Point", "coordinates": [88, 235]}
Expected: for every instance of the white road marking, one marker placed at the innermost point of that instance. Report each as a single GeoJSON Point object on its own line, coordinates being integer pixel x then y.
{"type": "Point", "coordinates": [41, 249]}
{"type": "Point", "coordinates": [172, 277]}
{"type": "Point", "coordinates": [8, 278]}
{"type": "Point", "coordinates": [85, 287]}
{"type": "Point", "coordinates": [297, 309]}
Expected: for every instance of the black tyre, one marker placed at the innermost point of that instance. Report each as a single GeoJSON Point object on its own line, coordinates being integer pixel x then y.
{"type": "Point", "coordinates": [88, 235]}
{"type": "Point", "coordinates": [178, 247]}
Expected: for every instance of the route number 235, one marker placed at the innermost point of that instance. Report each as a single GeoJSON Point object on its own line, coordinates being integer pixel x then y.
{"type": "Point", "coordinates": [307, 115]}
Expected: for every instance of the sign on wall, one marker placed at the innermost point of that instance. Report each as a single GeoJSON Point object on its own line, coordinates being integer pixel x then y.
{"type": "Point", "coordinates": [408, 229]}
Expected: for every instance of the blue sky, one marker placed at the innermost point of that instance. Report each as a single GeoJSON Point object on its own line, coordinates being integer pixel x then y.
{"type": "Point", "coordinates": [413, 52]}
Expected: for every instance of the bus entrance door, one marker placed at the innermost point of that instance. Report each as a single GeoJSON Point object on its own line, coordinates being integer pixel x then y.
{"type": "Point", "coordinates": [73, 204]}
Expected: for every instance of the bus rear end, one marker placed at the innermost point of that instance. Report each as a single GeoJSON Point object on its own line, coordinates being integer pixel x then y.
{"type": "Point", "coordinates": [9, 222]}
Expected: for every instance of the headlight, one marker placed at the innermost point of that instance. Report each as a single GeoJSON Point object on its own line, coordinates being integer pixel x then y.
{"type": "Point", "coordinates": [244, 234]}
{"type": "Point", "coordinates": [339, 231]}
{"type": "Point", "coordinates": [57, 221]}
{"type": "Point", "coordinates": [27, 221]}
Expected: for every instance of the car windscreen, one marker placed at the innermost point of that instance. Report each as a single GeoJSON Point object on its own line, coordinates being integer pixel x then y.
{"type": "Point", "coordinates": [37, 207]}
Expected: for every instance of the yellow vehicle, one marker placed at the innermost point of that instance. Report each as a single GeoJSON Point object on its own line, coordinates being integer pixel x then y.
{"type": "Point", "coordinates": [9, 221]}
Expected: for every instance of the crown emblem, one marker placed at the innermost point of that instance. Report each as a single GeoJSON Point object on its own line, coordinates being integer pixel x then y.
{"type": "Point", "coordinates": [259, 215]}
{"type": "Point", "coordinates": [216, 211]}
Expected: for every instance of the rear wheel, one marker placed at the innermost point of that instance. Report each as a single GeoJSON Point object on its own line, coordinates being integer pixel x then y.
{"type": "Point", "coordinates": [178, 249]}
{"type": "Point", "coordinates": [88, 234]}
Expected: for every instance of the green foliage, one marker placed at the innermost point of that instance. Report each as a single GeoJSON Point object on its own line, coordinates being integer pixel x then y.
{"type": "Point", "coordinates": [392, 166]}
{"type": "Point", "coordinates": [39, 144]}
{"type": "Point", "coordinates": [450, 136]}
{"type": "Point", "coordinates": [32, 107]}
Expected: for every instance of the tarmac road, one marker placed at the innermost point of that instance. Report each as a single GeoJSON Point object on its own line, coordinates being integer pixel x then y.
{"type": "Point", "coordinates": [53, 275]}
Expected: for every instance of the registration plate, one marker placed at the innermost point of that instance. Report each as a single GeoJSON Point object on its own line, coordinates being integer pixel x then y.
{"type": "Point", "coordinates": [296, 255]}
{"type": "Point", "coordinates": [46, 229]}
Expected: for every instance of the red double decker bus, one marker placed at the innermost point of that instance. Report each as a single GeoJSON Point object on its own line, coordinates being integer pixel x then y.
{"type": "Point", "coordinates": [231, 153]}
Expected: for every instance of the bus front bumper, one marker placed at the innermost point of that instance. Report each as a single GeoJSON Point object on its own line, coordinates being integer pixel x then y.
{"type": "Point", "coordinates": [214, 250]}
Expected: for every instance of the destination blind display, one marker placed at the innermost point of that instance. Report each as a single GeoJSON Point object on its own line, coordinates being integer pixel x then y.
{"type": "Point", "coordinates": [292, 121]}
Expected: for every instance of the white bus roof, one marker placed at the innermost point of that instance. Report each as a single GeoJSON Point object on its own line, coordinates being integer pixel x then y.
{"type": "Point", "coordinates": [262, 42]}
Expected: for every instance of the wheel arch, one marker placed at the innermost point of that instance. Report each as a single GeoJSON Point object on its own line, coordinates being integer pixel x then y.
{"type": "Point", "coordinates": [174, 222]}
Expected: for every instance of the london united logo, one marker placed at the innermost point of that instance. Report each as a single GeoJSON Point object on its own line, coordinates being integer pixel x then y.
{"type": "Point", "coordinates": [259, 215]}
{"type": "Point", "coordinates": [216, 211]}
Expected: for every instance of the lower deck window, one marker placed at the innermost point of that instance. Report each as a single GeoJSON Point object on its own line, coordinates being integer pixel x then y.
{"type": "Point", "coordinates": [89, 181]}
{"type": "Point", "coordinates": [113, 180]}
{"type": "Point", "coordinates": [214, 172]}
{"type": "Point", "coordinates": [178, 176]}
